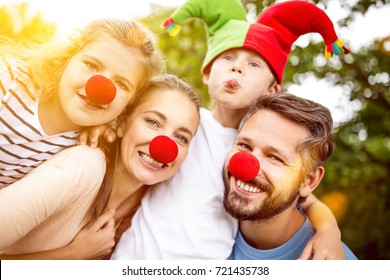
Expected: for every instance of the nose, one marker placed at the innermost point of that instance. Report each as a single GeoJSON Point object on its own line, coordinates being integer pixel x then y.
{"type": "Point", "coordinates": [236, 67]}
{"type": "Point", "coordinates": [100, 90]}
{"type": "Point", "coordinates": [163, 149]}
{"type": "Point", "coordinates": [244, 166]}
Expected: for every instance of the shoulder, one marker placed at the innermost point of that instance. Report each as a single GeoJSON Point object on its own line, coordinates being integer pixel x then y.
{"type": "Point", "coordinates": [80, 166]}
{"type": "Point", "coordinates": [349, 255]}
{"type": "Point", "coordinates": [78, 163]}
{"type": "Point", "coordinates": [81, 155]}
{"type": "Point", "coordinates": [204, 113]}
{"type": "Point", "coordinates": [14, 74]}
{"type": "Point", "coordinates": [13, 68]}
{"type": "Point", "coordinates": [83, 149]}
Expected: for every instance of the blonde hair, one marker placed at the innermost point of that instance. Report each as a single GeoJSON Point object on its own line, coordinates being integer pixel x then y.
{"type": "Point", "coordinates": [46, 62]}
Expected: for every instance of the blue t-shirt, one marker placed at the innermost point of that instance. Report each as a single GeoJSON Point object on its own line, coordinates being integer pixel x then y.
{"type": "Point", "coordinates": [291, 250]}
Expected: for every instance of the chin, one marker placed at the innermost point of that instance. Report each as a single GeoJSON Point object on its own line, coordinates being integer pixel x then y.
{"type": "Point", "coordinates": [151, 182]}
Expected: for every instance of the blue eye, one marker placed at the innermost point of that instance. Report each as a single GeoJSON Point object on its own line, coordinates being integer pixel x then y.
{"type": "Point", "coordinates": [182, 139]}
{"type": "Point", "coordinates": [153, 122]}
{"type": "Point", "coordinates": [254, 64]}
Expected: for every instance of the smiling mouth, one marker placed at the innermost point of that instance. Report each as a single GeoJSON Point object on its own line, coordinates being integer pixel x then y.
{"type": "Point", "coordinates": [91, 104]}
{"type": "Point", "coordinates": [151, 161]}
{"type": "Point", "coordinates": [247, 187]}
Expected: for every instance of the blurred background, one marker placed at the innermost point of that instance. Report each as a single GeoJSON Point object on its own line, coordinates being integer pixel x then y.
{"type": "Point", "coordinates": [355, 87]}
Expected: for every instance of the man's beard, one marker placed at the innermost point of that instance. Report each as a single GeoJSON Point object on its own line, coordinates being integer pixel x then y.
{"type": "Point", "coordinates": [242, 208]}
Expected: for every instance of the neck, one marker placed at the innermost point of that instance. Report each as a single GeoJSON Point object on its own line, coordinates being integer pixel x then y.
{"type": "Point", "coordinates": [266, 235]}
{"type": "Point", "coordinates": [126, 192]}
{"type": "Point", "coordinates": [52, 117]}
{"type": "Point", "coordinates": [227, 117]}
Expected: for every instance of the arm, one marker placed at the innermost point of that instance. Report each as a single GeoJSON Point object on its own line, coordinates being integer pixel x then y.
{"type": "Point", "coordinates": [326, 243]}
{"type": "Point", "coordinates": [92, 242]}
{"type": "Point", "coordinates": [30, 201]}
{"type": "Point", "coordinates": [61, 189]}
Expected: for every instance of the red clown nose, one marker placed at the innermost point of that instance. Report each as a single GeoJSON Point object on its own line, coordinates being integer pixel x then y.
{"type": "Point", "coordinates": [100, 90]}
{"type": "Point", "coordinates": [163, 149]}
{"type": "Point", "coordinates": [244, 166]}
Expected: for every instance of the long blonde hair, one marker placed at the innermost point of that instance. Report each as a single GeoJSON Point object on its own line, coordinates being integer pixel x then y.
{"type": "Point", "coordinates": [46, 62]}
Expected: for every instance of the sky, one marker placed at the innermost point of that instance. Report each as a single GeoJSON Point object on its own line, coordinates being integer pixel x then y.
{"type": "Point", "coordinates": [71, 14]}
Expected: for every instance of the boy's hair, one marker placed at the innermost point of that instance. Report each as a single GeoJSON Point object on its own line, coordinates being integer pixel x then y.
{"type": "Point", "coordinates": [46, 62]}
{"type": "Point", "coordinates": [318, 146]}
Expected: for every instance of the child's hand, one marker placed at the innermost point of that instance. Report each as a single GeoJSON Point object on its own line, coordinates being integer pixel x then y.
{"type": "Point", "coordinates": [324, 246]}
{"type": "Point", "coordinates": [91, 135]}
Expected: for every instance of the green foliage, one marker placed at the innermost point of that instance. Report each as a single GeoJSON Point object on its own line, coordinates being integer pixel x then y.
{"type": "Point", "coordinates": [357, 181]}
{"type": "Point", "coordinates": [184, 53]}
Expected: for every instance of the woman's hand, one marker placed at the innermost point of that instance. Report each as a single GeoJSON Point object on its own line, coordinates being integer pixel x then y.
{"type": "Point", "coordinates": [96, 240]}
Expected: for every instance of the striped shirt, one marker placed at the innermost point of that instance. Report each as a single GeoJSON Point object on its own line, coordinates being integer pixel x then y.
{"type": "Point", "coordinates": [23, 143]}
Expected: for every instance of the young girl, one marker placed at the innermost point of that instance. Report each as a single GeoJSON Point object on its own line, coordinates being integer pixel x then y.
{"type": "Point", "coordinates": [166, 106]}
{"type": "Point", "coordinates": [42, 89]}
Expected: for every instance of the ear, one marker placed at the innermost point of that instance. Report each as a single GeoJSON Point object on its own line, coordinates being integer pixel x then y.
{"type": "Point", "coordinates": [311, 181]}
{"type": "Point", "coordinates": [206, 75]}
{"type": "Point", "coordinates": [275, 88]}
{"type": "Point", "coordinates": [120, 130]}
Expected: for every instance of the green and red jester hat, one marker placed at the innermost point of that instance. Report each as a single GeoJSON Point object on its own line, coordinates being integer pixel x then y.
{"type": "Point", "coordinates": [272, 35]}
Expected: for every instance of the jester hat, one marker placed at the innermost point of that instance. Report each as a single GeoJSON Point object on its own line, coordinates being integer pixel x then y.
{"type": "Point", "coordinates": [272, 35]}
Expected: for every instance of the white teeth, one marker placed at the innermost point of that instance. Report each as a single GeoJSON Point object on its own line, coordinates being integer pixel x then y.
{"type": "Point", "coordinates": [151, 161]}
{"type": "Point", "coordinates": [247, 188]}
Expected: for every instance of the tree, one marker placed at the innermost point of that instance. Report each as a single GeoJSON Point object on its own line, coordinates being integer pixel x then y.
{"type": "Point", "coordinates": [357, 181]}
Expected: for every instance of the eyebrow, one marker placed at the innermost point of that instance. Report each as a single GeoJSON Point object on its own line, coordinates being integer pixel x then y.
{"type": "Point", "coordinates": [245, 139]}
{"type": "Point", "coordinates": [162, 116]}
{"type": "Point", "coordinates": [101, 64]}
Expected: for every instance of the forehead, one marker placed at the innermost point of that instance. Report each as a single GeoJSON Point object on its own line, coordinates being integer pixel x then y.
{"type": "Point", "coordinates": [175, 105]}
{"type": "Point", "coordinates": [243, 51]}
{"type": "Point", "coordinates": [267, 126]}
{"type": "Point", "coordinates": [114, 55]}
{"type": "Point", "coordinates": [164, 97]}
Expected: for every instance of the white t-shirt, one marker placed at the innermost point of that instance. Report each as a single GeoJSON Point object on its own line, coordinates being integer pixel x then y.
{"type": "Point", "coordinates": [184, 217]}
